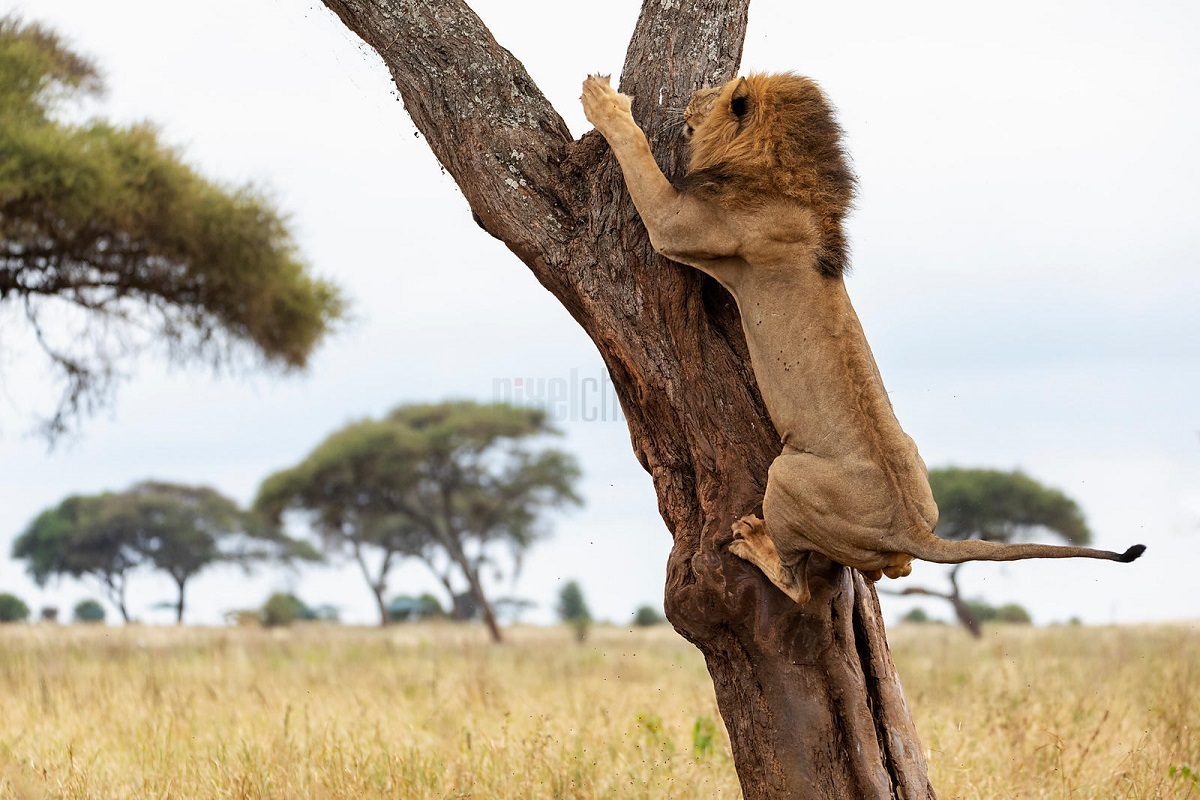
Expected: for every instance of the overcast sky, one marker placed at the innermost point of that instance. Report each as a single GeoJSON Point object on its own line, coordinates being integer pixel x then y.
{"type": "Point", "coordinates": [1025, 256]}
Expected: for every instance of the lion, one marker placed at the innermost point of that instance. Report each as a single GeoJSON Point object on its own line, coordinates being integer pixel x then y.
{"type": "Point", "coordinates": [760, 209]}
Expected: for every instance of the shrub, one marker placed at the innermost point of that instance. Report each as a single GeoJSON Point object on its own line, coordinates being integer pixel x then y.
{"type": "Point", "coordinates": [704, 736]}
{"type": "Point", "coordinates": [573, 610]}
{"type": "Point", "coordinates": [646, 616]}
{"type": "Point", "coordinates": [1013, 613]}
{"type": "Point", "coordinates": [12, 608]}
{"type": "Point", "coordinates": [89, 611]}
{"type": "Point", "coordinates": [281, 610]}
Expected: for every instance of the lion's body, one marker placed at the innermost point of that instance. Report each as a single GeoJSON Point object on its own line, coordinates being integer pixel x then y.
{"type": "Point", "coordinates": [761, 211]}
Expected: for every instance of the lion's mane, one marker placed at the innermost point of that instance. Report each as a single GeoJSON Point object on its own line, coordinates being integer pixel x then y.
{"type": "Point", "coordinates": [770, 136]}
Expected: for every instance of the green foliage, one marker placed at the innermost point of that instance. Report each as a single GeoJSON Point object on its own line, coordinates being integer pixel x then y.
{"type": "Point", "coordinates": [646, 616]}
{"type": "Point", "coordinates": [655, 733]}
{"type": "Point", "coordinates": [449, 483]}
{"type": "Point", "coordinates": [704, 736]}
{"type": "Point", "coordinates": [1013, 614]}
{"type": "Point", "coordinates": [1186, 775]}
{"type": "Point", "coordinates": [180, 530]}
{"type": "Point", "coordinates": [281, 610]}
{"type": "Point", "coordinates": [572, 609]}
{"type": "Point", "coordinates": [106, 227]}
{"type": "Point", "coordinates": [407, 607]}
{"type": "Point", "coordinates": [1002, 506]}
{"type": "Point", "coordinates": [916, 616]}
{"type": "Point", "coordinates": [1009, 613]}
{"type": "Point", "coordinates": [82, 536]}
{"type": "Point", "coordinates": [89, 611]}
{"type": "Point", "coordinates": [12, 608]}
{"type": "Point", "coordinates": [571, 604]}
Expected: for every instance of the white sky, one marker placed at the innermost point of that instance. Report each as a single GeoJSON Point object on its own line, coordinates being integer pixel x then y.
{"type": "Point", "coordinates": [1025, 264]}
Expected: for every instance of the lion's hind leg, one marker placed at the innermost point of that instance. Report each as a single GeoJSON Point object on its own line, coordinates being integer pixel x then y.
{"type": "Point", "coordinates": [753, 544]}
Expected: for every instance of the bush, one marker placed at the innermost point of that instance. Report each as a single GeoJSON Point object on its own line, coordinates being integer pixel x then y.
{"type": "Point", "coordinates": [1011, 613]}
{"type": "Point", "coordinates": [646, 616]}
{"type": "Point", "coordinates": [916, 615]}
{"type": "Point", "coordinates": [281, 610]}
{"type": "Point", "coordinates": [13, 609]}
{"type": "Point", "coordinates": [1014, 614]}
{"type": "Point", "coordinates": [406, 608]}
{"type": "Point", "coordinates": [573, 610]}
{"type": "Point", "coordinates": [89, 611]}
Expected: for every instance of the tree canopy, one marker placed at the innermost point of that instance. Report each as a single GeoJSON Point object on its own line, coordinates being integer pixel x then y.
{"type": "Point", "coordinates": [179, 530]}
{"type": "Point", "coordinates": [449, 483]}
{"type": "Point", "coordinates": [1002, 506]}
{"type": "Point", "coordinates": [996, 506]}
{"type": "Point", "coordinates": [110, 243]}
{"type": "Point", "coordinates": [82, 537]}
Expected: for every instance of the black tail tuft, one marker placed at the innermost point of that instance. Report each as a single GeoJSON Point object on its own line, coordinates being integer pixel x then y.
{"type": "Point", "coordinates": [1132, 553]}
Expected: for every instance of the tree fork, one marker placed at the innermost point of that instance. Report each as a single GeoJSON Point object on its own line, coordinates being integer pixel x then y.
{"type": "Point", "coordinates": [809, 695]}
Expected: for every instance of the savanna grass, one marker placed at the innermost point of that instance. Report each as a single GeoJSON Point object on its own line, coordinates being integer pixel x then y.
{"type": "Point", "coordinates": [436, 712]}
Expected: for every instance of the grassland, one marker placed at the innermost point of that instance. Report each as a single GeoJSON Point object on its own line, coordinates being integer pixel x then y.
{"type": "Point", "coordinates": [435, 712]}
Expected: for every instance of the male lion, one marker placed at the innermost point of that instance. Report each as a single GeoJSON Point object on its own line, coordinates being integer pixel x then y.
{"type": "Point", "coordinates": [760, 210]}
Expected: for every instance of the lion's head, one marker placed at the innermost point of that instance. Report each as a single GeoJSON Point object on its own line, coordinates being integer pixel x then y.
{"type": "Point", "coordinates": [767, 136]}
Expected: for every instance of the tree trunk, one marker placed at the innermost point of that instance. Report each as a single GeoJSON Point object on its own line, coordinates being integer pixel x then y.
{"type": "Point", "coordinates": [377, 585]}
{"type": "Point", "coordinates": [966, 617]}
{"type": "Point", "coordinates": [385, 618]}
{"type": "Point", "coordinates": [474, 585]}
{"type": "Point", "coordinates": [182, 583]}
{"type": "Point", "coordinates": [485, 607]}
{"type": "Point", "coordinates": [808, 694]}
{"type": "Point", "coordinates": [116, 593]}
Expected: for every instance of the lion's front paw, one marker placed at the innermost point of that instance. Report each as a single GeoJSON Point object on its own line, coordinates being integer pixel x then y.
{"type": "Point", "coordinates": [602, 104]}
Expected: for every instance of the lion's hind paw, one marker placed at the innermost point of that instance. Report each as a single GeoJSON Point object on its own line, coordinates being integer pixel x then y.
{"type": "Point", "coordinates": [753, 544]}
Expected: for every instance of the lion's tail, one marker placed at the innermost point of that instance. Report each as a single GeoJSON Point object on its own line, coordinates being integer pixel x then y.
{"type": "Point", "coordinates": [944, 551]}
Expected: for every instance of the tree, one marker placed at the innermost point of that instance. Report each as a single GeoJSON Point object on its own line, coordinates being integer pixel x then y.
{"type": "Point", "coordinates": [184, 530]}
{"type": "Point", "coordinates": [12, 608]}
{"type": "Point", "coordinates": [83, 536]}
{"type": "Point", "coordinates": [572, 609]}
{"type": "Point", "coordinates": [89, 612]}
{"type": "Point", "coordinates": [180, 530]}
{"type": "Point", "coordinates": [449, 483]}
{"type": "Point", "coordinates": [996, 506]}
{"type": "Point", "coordinates": [110, 243]}
{"type": "Point", "coordinates": [789, 679]}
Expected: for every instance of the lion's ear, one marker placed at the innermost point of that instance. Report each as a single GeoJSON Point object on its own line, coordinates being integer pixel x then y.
{"type": "Point", "coordinates": [739, 101]}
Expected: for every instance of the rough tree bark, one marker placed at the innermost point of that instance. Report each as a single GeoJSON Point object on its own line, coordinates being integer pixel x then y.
{"type": "Point", "coordinates": [808, 694]}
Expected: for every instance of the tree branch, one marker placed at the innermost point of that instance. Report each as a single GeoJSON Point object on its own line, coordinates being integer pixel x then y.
{"type": "Point", "coordinates": [483, 116]}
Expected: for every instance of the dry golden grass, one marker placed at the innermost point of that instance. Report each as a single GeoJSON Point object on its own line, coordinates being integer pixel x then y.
{"type": "Point", "coordinates": [435, 712]}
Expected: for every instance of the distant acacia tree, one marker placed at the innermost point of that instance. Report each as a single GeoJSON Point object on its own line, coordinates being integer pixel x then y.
{"type": "Point", "coordinates": [110, 243]}
{"type": "Point", "coordinates": [180, 530]}
{"type": "Point", "coordinates": [995, 506]}
{"type": "Point", "coordinates": [449, 483]}
{"type": "Point", "coordinates": [82, 537]}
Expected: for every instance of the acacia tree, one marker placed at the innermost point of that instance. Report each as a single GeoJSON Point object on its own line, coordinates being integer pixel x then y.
{"type": "Point", "coordinates": [81, 537]}
{"type": "Point", "coordinates": [185, 530]}
{"type": "Point", "coordinates": [996, 506]}
{"type": "Point", "coordinates": [110, 243]}
{"type": "Point", "coordinates": [808, 693]}
{"type": "Point", "coordinates": [180, 530]}
{"type": "Point", "coordinates": [449, 483]}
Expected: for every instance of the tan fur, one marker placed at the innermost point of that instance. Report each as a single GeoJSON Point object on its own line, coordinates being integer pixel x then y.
{"type": "Point", "coordinates": [761, 211]}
